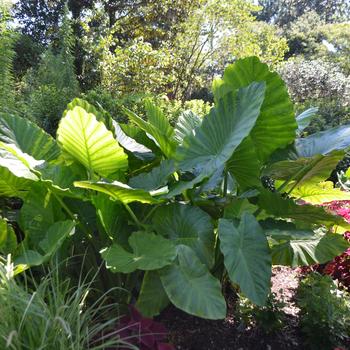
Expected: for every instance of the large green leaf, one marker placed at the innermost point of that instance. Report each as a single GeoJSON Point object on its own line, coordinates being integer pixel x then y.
{"type": "Point", "coordinates": [280, 207]}
{"type": "Point", "coordinates": [152, 298]}
{"type": "Point", "coordinates": [304, 170]}
{"type": "Point", "coordinates": [246, 256]}
{"type": "Point", "coordinates": [51, 242]}
{"type": "Point", "coordinates": [18, 163]}
{"type": "Point", "coordinates": [188, 225]}
{"type": "Point", "coordinates": [155, 179]}
{"type": "Point", "coordinates": [245, 166]}
{"type": "Point", "coordinates": [276, 125]}
{"type": "Point", "coordinates": [28, 137]}
{"type": "Point", "coordinates": [324, 142]}
{"type": "Point", "coordinates": [90, 143]}
{"type": "Point", "coordinates": [305, 118]}
{"type": "Point", "coordinates": [157, 128]}
{"type": "Point", "coordinates": [191, 287]}
{"type": "Point", "coordinates": [110, 213]}
{"type": "Point", "coordinates": [8, 239]}
{"type": "Point", "coordinates": [317, 250]}
{"type": "Point", "coordinates": [186, 124]}
{"type": "Point", "coordinates": [12, 186]}
{"type": "Point", "coordinates": [119, 191]}
{"type": "Point", "coordinates": [137, 149]}
{"type": "Point", "coordinates": [222, 131]}
{"type": "Point", "coordinates": [40, 210]}
{"type": "Point", "coordinates": [150, 252]}
{"type": "Point", "coordinates": [100, 114]}
{"type": "Point", "coordinates": [320, 193]}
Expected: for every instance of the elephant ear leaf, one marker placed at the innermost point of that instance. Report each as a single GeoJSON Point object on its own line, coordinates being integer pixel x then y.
{"type": "Point", "coordinates": [246, 256]}
{"type": "Point", "coordinates": [324, 142]}
{"type": "Point", "coordinates": [304, 119]}
{"type": "Point", "coordinates": [152, 298]}
{"type": "Point", "coordinates": [157, 128]}
{"type": "Point", "coordinates": [8, 239]}
{"type": "Point", "coordinates": [16, 171]}
{"type": "Point", "coordinates": [276, 126]}
{"type": "Point", "coordinates": [28, 137]}
{"type": "Point", "coordinates": [309, 251]}
{"type": "Point", "coordinates": [120, 191]}
{"type": "Point", "coordinates": [319, 193]}
{"type": "Point", "coordinates": [90, 143]}
{"type": "Point", "coordinates": [222, 131]}
{"type": "Point", "coordinates": [187, 225]}
{"type": "Point", "coordinates": [186, 124]}
{"type": "Point", "coordinates": [190, 286]}
{"type": "Point", "coordinates": [53, 240]}
{"type": "Point", "coordinates": [150, 252]}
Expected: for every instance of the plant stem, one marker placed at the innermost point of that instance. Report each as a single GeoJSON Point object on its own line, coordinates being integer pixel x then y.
{"type": "Point", "coordinates": [150, 213]}
{"type": "Point", "coordinates": [132, 214]}
{"type": "Point", "coordinates": [72, 216]}
{"type": "Point", "coordinates": [64, 206]}
{"type": "Point", "coordinates": [224, 192]}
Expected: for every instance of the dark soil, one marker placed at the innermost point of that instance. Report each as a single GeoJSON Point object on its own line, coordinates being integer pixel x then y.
{"type": "Point", "coordinates": [193, 333]}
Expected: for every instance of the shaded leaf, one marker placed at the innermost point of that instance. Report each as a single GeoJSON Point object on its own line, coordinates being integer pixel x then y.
{"type": "Point", "coordinates": [187, 225]}
{"type": "Point", "coordinates": [155, 179]}
{"type": "Point", "coordinates": [55, 236]}
{"type": "Point", "coordinates": [8, 239]}
{"type": "Point", "coordinates": [152, 298]}
{"type": "Point", "coordinates": [191, 287]}
{"type": "Point", "coordinates": [150, 252]}
{"type": "Point", "coordinates": [246, 256]}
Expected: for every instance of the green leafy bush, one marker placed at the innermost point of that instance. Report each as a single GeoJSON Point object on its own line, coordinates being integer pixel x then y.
{"type": "Point", "coordinates": [325, 312]}
{"type": "Point", "coordinates": [269, 318]}
{"type": "Point", "coordinates": [173, 210]}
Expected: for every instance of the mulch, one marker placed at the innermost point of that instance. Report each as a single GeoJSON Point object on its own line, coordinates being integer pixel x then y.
{"type": "Point", "coordinates": [193, 333]}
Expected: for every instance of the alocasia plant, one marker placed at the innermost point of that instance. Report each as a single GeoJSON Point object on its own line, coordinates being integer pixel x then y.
{"type": "Point", "coordinates": [180, 210]}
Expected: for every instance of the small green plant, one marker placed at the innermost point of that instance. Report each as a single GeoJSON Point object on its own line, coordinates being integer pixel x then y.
{"type": "Point", "coordinates": [325, 312]}
{"type": "Point", "coordinates": [52, 314]}
{"type": "Point", "coordinates": [269, 318]}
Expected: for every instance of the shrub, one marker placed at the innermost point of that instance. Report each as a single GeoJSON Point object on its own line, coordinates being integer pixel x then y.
{"type": "Point", "coordinates": [269, 318]}
{"type": "Point", "coordinates": [319, 84]}
{"type": "Point", "coordinates": [325, 312]}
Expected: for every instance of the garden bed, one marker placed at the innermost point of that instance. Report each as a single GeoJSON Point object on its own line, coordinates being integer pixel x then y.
{"type": "Point", "coordinates": [192, 333]}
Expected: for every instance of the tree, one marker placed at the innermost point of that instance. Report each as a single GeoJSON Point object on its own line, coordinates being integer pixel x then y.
{"type": "Point", "coordinates": [283, 12]}
{"type": "Point", "coordinates": [51, 86]}
{"type": "Point", "coordinates": [39, 19]}
{"type": "Point", "coordinates": [7, 53]}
